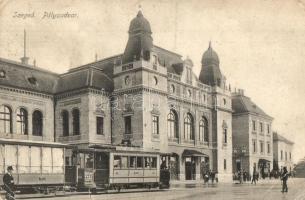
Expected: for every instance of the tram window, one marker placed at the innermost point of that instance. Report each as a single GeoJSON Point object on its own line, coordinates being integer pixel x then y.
{"type": "Point", "coordinates": [124, 162]}
{"type": "Point", "coordinates": [139, 162]}
{"type": "Point", "coordinates": [89, 160]}
{"type": "Point", "coordinates": [117, 162]}
{"type": "Point", "coordinates": [153, 162]}
{"type": "Point", "coordinates": [146, 162]}
{"type": "Point", "coordinates": [132, 162]}
{"type": "Point", "coordinates": [81, 160]}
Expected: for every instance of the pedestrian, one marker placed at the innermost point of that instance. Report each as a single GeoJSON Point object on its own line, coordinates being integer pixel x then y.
{"type": "Point", "coordinates": [8, 184]}
{"type": "Point", "coordinates": [253, 178]}
{"type": "Point", "coordinates": [212, 176]}
{"type": "Point", "coordinates": [284, 178]}
{"type": "Point", "coordinates": [245, 176]}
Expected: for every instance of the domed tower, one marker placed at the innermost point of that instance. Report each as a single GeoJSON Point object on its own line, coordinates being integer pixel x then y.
{"type": "Point", "coordinates": [140, 41]}
{"type": "Point", "coordinates": [210, 72]}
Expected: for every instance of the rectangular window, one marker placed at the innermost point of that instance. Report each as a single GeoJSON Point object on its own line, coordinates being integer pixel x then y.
{"type": "Point", "coordinates": [225, 135]}
{"type": "Point", "coordinates": [99, 125]}
{"type": "Point", "coordinates": [225, 164]}
{"type": "Point", "coordinates": [147, 162]}
{"type": "Point", "coordinates": [67, 161]}
{"type": "Point", "coordinates": [132, 162]}
{"type": "Point", "coordinates": [188, 75]}
{"type": "Point", "coordinates": [117, 162]}
{"type": "Point", "coordinates": [139, 162]}
{"type": "Point", "coordinates": [281, 154]}
{"type": "Point", "coordinates": [268, 148]}
{"type": "Point", "coordinates": [155, 60]}
{"type": "Point", "coordinates": [261, 125]}
{"type": "Point", "coordinates": [127, 120]}
{"type": "Point", "coordinates": [155, 125]}
{"type": "Point", "coordinates": [254, 146]}
{"type": "Point", "coordinates": [268, 128]}
{"type": "Point", "coordinates": [285, 155]}
{"type": "Point", "coordinates": [262, 146]}
{"type": "Point", "coordinates": [253, 125]}
{"type": "Point", "coordinates": [154, 162]}
{"type": "Point", "coordinates": [124, 162]}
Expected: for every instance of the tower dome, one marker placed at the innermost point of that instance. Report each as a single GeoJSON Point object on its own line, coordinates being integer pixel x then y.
{"type": "Point", "coordinates": [139, 23]}
{"type": "Point", "coordinates": [210, 73]}
{"type": "Point", "coordinates": [210, 56]}
{"type": "Point", "coordinates": [140, 41]}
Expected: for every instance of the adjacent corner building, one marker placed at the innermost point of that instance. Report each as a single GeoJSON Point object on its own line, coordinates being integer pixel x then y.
{"type": "Point", "coordinates": [282, 152]}
{"type": "Point", "coordinates": [251, 136]}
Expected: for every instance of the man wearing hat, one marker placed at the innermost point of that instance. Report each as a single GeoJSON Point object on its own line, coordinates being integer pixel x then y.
{"type": "Point", "coordinates": [8, 183]}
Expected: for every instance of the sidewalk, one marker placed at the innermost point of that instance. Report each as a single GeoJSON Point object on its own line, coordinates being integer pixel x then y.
{"type": "Point", "coordinates": [194, 183]}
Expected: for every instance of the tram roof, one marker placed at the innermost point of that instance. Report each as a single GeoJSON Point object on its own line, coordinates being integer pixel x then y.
{"type": "Point", "coordinates": [33, 143]}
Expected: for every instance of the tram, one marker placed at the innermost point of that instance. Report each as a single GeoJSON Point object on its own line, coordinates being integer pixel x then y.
{"type": "Point", "coordinates": [115, 170]}
{"type": "Point", "coordinates": [37, 165]}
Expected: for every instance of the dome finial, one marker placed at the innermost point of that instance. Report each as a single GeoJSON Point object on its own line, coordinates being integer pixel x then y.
{"type": "Point", "coordinates": [140, 11]}
{"type": "Point", "coordinates": [210, 44]}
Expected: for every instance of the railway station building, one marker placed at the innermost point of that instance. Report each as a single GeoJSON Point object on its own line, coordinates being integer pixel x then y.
{"type": "Point", "coordinates": [147, 97]}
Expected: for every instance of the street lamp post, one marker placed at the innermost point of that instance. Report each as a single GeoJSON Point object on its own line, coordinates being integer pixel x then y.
{"type": "Point", "coordinates": [240, 152]}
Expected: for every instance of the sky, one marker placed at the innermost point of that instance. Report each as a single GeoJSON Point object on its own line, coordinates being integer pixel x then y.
{"type": "Point", "coordinates": [260, 43]}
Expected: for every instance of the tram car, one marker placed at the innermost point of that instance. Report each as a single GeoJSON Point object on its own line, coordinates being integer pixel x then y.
{"type": "Point", "coordinates": [38, 166]}
{"type": "Point", "coordinates": [115, 170]}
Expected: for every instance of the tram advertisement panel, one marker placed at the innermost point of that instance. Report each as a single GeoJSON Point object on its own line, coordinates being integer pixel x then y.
{"type": "Point", "coordinates": [88, 177]}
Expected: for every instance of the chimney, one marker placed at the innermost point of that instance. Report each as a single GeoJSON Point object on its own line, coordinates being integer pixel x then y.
{"type": "Point", "coordinates": [24, 59]}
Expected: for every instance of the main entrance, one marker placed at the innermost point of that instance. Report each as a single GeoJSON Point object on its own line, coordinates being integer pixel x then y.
{"type": "Point", "coordinates": [190, 168]}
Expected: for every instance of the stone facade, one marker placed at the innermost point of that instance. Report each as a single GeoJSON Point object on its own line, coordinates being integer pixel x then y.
{"type": "Point", "coordinates": [282, 152]}
{"type": "Point", "coordinates": [252, 137]}
{"type": "Point", "coordinates": [147, 98]}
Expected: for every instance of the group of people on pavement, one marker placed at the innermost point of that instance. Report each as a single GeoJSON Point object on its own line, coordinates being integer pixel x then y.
{"type": "Point", "coordinates": [210, 175]}
{"type": "Point", "coordinates": [243, 176]}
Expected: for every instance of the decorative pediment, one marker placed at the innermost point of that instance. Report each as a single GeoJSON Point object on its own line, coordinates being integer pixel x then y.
{"type": "Point", "coordinates": [155, 110]}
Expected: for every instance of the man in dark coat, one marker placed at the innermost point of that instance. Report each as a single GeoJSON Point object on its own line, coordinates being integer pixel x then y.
{"type": "Point", "coordinates": [284, 179]}
{"type": "Point", "coordinates": [8, 183]}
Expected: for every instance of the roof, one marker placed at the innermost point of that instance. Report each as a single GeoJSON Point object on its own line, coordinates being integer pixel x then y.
{"type": "Point", "coordinates": [32, 142]}
{"type": "Point", "coordinates": [210, 56]}
{"type": "Point", "coordinates": [172, 61]}
{"type": "Point", "coordinates": [84, 78]}
{"type": "Point", "coordinates": [243, 104]}
{"type": "Point", "coordinates": [139, 23]}
{"type": "Point", "coordinates": [98, 75]}
{"type": "Point", "coordinates": [192, 152]}
{"type": "Point", "coordinates": [27, 77]}
{"type": "Point", "coordinates": [278, 137]}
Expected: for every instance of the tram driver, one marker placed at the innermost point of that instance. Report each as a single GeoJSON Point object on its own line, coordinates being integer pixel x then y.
{"type": "Point", "coordinates": [8, 183]}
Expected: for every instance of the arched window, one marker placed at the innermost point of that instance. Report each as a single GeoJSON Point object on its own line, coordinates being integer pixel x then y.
{"type": "Point", "coordinates": [189, 127]}
{"type": "Point", "coordinates": [65, 123]}
{"type": "Point", "coordinates": [75, 116]}
{"type": "Point", "coordinates": [172, 124]}
{"type": "Point", "coordinates": [5, 119]}
{"type": "Point", "coordinates": [22, 121]}
{"type": "Point", "coordinates": [37, 121]}
{"type": "Point", "coordinates": [203, 130]}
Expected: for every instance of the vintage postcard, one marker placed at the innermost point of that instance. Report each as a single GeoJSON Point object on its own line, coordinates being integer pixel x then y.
{"type": "Point", "coordinates": [160, 99]}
